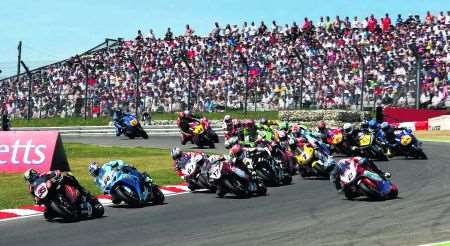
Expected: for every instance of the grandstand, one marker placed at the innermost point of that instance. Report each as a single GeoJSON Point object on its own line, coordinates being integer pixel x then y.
{"type": "Point", "coordinates": [331, 63]}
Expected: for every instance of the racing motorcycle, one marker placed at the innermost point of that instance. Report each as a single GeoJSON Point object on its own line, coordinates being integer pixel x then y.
{"type": "Point", "coordinates": [127, 187]}
{"type": "Point", "coordinates": [267, 167]}
{"type": "Point", "coordinates": [65, 201]}
{"type": "Point", "coordinates": [231, 179]}
{"type": "Point", "coordinates": [408, 145]}
{"type": "Point", "coordinates": [133, 128]}
{"type": "Point", "coordinates": [369, 147]}
{"type": "Point", "coordinates": [335, 139]}
{"type": "Point", "coordinates": [314, 160]}
{"type": "Point", "coordinates": [200, 181]}
{"type": "Point", "coordinates": [203, 134]}
{"type": "Point", "coordinates": [358, 181]}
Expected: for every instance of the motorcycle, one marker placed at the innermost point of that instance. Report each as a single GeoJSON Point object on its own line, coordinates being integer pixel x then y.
{"type": "Point", "coordinates": [200, 181]}
{"type": "Point", "coordinates": [133, 128]}
{"type": "Point", "coordinates": [127, 187]}
{"type": "Point", "coordinates": [357, 181]}
{"type": "Point", "coordinates": [335, 139]}
{"type": "Point", "coordinates": [408, 145]}
{"type": "Point", "coordinates": [65, 201]}
{"type": "Point", "coordinates": [314, 160]}
{"type": "Point", "coordinates": [231, 179]}
{"type": "Point", "coordinates": [369, 147]}
{"type": "Point", "coordinates": [267, 167]}
{"type": "Point", "coordinates": [203, 134]}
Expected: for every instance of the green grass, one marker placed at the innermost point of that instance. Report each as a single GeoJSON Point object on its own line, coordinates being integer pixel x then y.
{"type": "Point", "coordinates": [102, 121]}
{"type": "Point", "coordinates": [157, 162]}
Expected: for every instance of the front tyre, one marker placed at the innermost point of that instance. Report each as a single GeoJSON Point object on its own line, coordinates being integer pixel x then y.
{"type": "Point", "coordinates": [64, 209]}
{"type": "Point", "coordinates": [128, 196]}
{"type": "Point", "coordinates": [143, 133]}
{"type": "Point", "coordinates": [158, 196]}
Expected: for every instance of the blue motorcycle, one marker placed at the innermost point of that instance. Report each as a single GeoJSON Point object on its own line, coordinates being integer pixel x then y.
{"type": "Point", "coordinates": [128, 187]}
{"type": "Point", "coordinates": [408, 145]}
{"type": "Point", "coordinates": [129, 125]}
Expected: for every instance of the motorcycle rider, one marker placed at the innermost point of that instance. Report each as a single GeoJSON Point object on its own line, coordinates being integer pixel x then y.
{"type": "Point", "coordinates": [350, 136]}
{"type": "Point", "coordinates": [230, 126]}
{"type": "Point", "coordinates": [248, 134]}
{"type": "Point", "coordinates": [184, 120]}
{"type": "Point", "coordinates": [238, 155]}
{"type": "Point", "coordinates": [118, 121]}
{"type": "Point", "coordinates": [389, 137]}
{"type": "Point", "coordinates": [32, 175]}
{"type": "Point", "coordinates": [181, 158]}
{"type": "Point", "coordinates": [343, 165]}
{"type": "Point", "coordinates": [322, 131]}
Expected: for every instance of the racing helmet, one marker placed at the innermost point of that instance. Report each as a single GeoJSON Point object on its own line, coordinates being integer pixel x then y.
{"type": "Point", "coordinates": [263, 121]}
{"type": "Point", "coordinates": [249, 123]}
{"type": "Point", "coordinates": [372, 124]}
{"type": "Point", "coordinates": [227, 118]}
{"type": "Point", "coordinates": [295, 128]}
{"type": "Point", "coordinates": [236, 122]}
{"type": "Point", "coordinates": [284, 126]}
{"type": "Point", "coordinates": [30, 175]}
{"type": "Point", "coordinates": [176, 153]}
{"type": "Point", "coordinates": [384, 126]}
{"type": "Point", "coordinates": [93, 169]}
{"type": "Point", "coordinates": [187, 113]}
{"type": "Point", "coordinates": [235, 150]}
{"type": "Point", "coordinates": [348, 128]}
{"type": "Point", "coordinates": [321, 125]}
{"type": "Point", "coordinates": [364, 124]}
{"type": "Point", "coordinates": [282, 135]}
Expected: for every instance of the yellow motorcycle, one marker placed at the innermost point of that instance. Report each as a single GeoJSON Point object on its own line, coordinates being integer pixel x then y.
{"type": "Point", "coordinates": [312, 162]}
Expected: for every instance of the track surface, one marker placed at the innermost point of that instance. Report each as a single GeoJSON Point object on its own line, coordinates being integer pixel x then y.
{"type": "Point", "coordinates": [308, 212]}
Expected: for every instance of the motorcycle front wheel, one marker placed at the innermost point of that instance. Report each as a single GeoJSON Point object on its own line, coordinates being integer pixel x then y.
{"type": "Point", "coordinates": [158, 196]}
{"type": "Point", "coordinates": [129, 197]}
{"type": "Point", "coordinates": [64, 209]}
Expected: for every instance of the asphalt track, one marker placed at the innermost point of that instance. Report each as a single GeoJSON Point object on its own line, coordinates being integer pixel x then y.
{"type": "Point", "coordinates": [308, 212]}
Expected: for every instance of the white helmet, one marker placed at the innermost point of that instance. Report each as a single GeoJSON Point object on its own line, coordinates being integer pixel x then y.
{"type": "Point", "coordinates": [227, 118]}
{"type": "Point", "coordinates": [348, 128]}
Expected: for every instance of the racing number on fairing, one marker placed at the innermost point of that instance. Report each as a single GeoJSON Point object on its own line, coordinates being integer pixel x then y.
{"type": "Point", "coordinates": [41, 191]}
{"type": "Point", "coordinates": [365, 140]}
{"type": "Point", "coordinates": [406, 140]}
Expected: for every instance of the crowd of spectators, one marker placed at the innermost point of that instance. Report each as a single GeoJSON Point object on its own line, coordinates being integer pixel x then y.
{"type": "Point", "coordinates": [256, 61]}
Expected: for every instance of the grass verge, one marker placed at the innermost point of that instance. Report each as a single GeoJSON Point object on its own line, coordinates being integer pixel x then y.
{"type": "Point", "coordinates": [434, 136]}
{"type": "Point", "coordinates": [157, 162]}
{"type": "Point", "coordinates": [102, 121]}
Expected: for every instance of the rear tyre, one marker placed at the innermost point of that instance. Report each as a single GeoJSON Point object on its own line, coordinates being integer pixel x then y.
{"type": "Point", "coordinates": [129, 197]}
